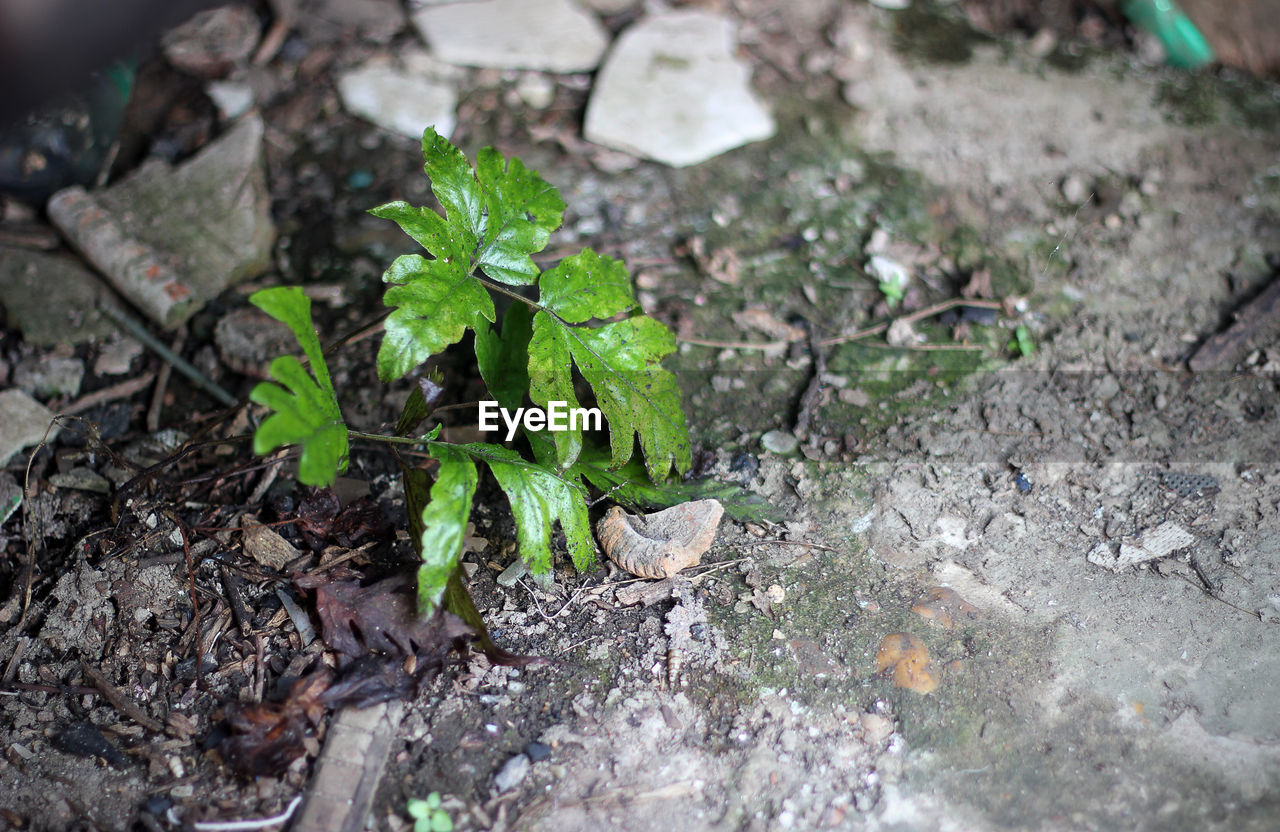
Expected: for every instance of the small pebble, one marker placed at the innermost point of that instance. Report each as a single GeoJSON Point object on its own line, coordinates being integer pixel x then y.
{"type": "Point", "coordinates": [780, 442]}
{"type": "Point", "coordinates": [536, 90]}
{"type": "Point", "coordinates": [512, 773]}
{"type": "Point", "coordinates": [1074, 190]}
{"type": "Point", "coordinates": [855, 397]}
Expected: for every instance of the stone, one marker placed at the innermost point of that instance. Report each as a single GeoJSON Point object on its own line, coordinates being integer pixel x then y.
{"type": "Point", "coordinates": [23, 422]}
{"type": "Point", "coordinates": [49, 376]}
{"type": "Point", "coordinates": [232, 98]}
{"type": "Point", "coordinates": [172, 238]}
{"type": "Point", "coordinates": [212, 42]}
{"type": "Point", "coordinates": [780, 442]}
{"type": "Point", "coordinates": [401, 102]}
{"type": "Point", "coordinates": [551, 35]}
{"type": "Point", "coordinates": [51, 298]}
{"type": "Point", "coordinates": [329, 21]}
{"type": "Point", "coordinates": [249, 339]}
{"type": "Point", "coordinates": [608, 7]}
{"type": "Point", "coordinates": [1074, 190]}
{"type": "Point", "coordinates": [512, 773]}
{"type": "Point", "coordinates": [672, 90]}
{"type": "Point", "coordinates": [855, 397]}
{"type": "Point", "coordinates": [536, 90]}
{"type": "Point", "coordinates": [116, 356]}
{"type": "Point", "coordinates": [81, 479]}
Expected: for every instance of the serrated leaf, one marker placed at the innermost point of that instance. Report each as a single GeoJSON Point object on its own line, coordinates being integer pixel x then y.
{"type": "Point", "coordinates": [504, 359]}
{"type": "Point", "coordinates": [630, 486]}
{"type": "Point", "coordinates": [439, 519]}
{"type": "Point", "coordinates": [305, 408]}
{"type": "Point", "coordinates": [501, 213]}
{"type": "Point", "coordinates": [436, 301]}
{"type": "Point", "coordinates": [496, 217]}
{"type": "Point", "coordinates": [521, 211]}
{"type": "Point", "coordinates": [622, 363]}
{"type": "Point", "coordinates": [540, 498]}
{"type": "Point", "coordinates": [585, 286]}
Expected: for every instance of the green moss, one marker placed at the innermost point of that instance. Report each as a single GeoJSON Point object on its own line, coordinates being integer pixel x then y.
{"type": "Point", "coordinates": [845, 603]}
{"type": "Point", "coordinates": [1189, 99]}
{"type": "Point", "coordinates": [935, 33]}
{"type": "Point", "coordinates": [1202, 99]}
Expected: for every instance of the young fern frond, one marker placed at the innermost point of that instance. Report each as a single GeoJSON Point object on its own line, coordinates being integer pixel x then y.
{"type": "Point", "coordinates": [306, 407]}
{"type": "Point", "coordinates": [496, 216]}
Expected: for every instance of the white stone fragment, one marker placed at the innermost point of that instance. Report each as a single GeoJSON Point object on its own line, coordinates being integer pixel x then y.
{"type": "Point", "coordinates": [512, 773]}
{"type": "Point", "coordinates": [1153, 544]}
{"type": "Point", "coordinates": [398, 101]}
{"type": "Point", "coordinates": [673, 91]}
{"type": "Point", "coordinates": [23, 422]}
{"type": "Point", "coordinates": [551, 35]}
{"type": "Point", "coordinates": [536, 90]}
{"type": "Point", "coordinates": [232, 98]}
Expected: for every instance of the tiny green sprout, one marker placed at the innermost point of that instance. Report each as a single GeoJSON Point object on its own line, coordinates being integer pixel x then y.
{"type": "Point", "coordinates": [1022, 343]}
{"type": "Point", "coordinates": [427, 814]}
{"type": "Point", "coordinates": [892, 279]}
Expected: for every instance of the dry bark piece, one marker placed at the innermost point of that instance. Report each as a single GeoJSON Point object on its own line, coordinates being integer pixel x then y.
{"type": "Point", "coordinates": [265, 545]}
{"type": "Point", "coordinates": [659, 545]}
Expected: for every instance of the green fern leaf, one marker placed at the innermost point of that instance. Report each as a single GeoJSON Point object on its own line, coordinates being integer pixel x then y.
{"type": "Point", "coordinates": [305, 409]}
{"type": "Point", "coordinates": [436, 302]}
{"type": "Point", "coordinates": [441, 523]}
{"type": "Point", "coordinates": [496, 218]}
{"type": "Point", "coordinates": [539, 498]}
{"type": "Point", "coordinates": [620, 360]}
{"type": "Point", "coordinates": [504, 359]}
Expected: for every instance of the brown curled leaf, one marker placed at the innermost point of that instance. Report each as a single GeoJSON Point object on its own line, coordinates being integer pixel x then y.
{"type": "Point", "coordinates": [266, 737]}
{"type": "Point", "coordinates": [659, 545]}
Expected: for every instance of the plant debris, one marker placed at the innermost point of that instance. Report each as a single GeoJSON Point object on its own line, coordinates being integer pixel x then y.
{"type": "Point", "coordinates": [659, 545]}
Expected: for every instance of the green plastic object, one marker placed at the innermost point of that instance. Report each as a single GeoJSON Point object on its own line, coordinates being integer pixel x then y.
{"type": "Point", "coordinates": [1184, 46]}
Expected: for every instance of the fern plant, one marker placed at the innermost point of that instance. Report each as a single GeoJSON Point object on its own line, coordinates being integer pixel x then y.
{"type": "Point", "coordinates": [496, 215]}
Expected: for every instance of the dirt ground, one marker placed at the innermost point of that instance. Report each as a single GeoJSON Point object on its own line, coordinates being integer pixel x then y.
{"type": "Point", "coordinates": [1003, 589]}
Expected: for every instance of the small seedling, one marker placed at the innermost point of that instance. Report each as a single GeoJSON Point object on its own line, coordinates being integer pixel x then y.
{"type": "Point", "coordinates": [1022, 344]}
{"type": "Point", "coordinates": [892, 279]}
{"type": "Point", "coordinates": [584, 326]}
{"type": "Point", "coordinates": [427, 814]}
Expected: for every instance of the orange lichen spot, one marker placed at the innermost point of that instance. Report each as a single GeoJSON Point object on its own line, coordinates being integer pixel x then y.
{"type": "Point", "coordinates": [943, 605]}
{"type": "Point", "coordinates": [909, 659]}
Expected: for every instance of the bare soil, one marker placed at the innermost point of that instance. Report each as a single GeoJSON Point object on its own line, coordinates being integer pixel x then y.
{"type": "Point", "coordinates": [1119, 212]}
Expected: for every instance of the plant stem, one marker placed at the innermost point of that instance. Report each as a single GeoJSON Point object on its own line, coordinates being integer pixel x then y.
{"type": "Point", "coordinates": [495, 286]}
{"type": "Point", "coordinates": [382, 437]}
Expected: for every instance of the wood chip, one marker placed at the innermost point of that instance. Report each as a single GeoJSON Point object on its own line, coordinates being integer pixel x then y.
{"type": "Point", "coordinates": [265, 545]}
